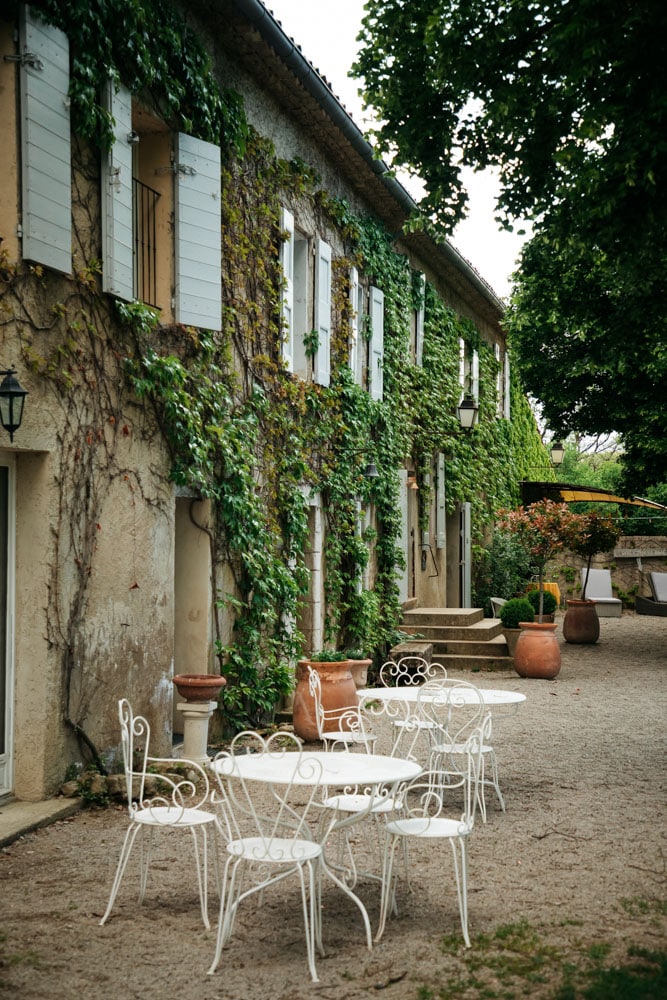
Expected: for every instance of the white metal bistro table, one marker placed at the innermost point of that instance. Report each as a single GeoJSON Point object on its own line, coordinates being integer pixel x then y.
{"type": "Point", "coordinates": [374, 772]}
{"type": "Point", "coordinates": [494, 698]}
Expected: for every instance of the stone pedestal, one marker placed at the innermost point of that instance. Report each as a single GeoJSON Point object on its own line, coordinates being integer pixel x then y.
{"type": "Point", "coordinates": [196, 715]}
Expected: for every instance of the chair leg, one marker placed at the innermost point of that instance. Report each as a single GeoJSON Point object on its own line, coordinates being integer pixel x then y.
{"type": "Point", "coordinates": [307, 903]}
{"type": "Point", "coordinates": [387, 898]}
{"type": "Point", "coordinates": [458, 844]}
{"type": "Point", "coordinates": [126, 850]}
{"type": "Point", "coordinates": [202, 883]}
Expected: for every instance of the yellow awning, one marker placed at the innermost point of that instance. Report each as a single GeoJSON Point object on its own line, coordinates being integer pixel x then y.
{"type": "Point", "coordinates": [564, 493]}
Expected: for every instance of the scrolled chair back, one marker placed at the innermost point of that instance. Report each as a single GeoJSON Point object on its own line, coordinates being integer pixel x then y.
{"type": "Point", "coordinates": [410, 671]}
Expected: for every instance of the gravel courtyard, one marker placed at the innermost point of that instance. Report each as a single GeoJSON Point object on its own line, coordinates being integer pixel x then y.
{"type": "Point", "coordinates": [572, 874]}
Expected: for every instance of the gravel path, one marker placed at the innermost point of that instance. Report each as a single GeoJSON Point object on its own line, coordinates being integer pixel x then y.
{"type": "Point", "coordinates": [573, 872]}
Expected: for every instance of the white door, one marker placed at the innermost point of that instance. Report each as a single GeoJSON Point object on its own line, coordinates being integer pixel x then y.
{"type": "Point", "coordinates": [7, 466]}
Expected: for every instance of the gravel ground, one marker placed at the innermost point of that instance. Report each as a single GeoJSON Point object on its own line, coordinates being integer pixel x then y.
{"type": "Point", "coordinates": [568, 878]}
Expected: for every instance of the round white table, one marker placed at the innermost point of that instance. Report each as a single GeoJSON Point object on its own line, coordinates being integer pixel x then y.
{"type": "Point", "coordinates": [376, 773]}
{"type": "Point", "coordinates": [493, 697]}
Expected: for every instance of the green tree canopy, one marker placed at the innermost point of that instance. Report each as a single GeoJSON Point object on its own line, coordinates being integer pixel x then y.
{"type": "Point", "coordinates": [569, 102]}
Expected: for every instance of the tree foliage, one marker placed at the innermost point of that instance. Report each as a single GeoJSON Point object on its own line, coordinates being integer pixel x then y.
{"type": "Point", "coordinates": [569, 103]}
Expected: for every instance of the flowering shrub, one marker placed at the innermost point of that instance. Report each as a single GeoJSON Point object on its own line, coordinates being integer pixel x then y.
{"type": "Point", "coordinates": [600, 533]}
{"type": "Point", "coordinates": [543, 529]}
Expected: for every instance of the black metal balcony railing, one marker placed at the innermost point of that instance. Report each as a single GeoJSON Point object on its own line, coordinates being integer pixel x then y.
{"type": "Point", "coordinates": [144, 201]}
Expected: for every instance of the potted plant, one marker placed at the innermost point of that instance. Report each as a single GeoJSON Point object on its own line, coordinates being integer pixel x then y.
{"type": "Point", "coordinates": [359, 664]}
{"type": "Point", "coordinates": [337, 686]}
{"type": "Point", "coordinates": [549, 603]}
{"type": "Point", "coordinates": [543, 528]}
{"type": "Point", "coordinates": [599, 534]}
{"type": "Point", "coordinates": [514, 611]}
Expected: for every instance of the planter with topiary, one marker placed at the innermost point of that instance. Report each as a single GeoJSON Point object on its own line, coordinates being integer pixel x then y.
{"type": "Point", "coordinates": [549, 604]}
{"type": "Point", "coordinates": [514, 611]}
{"type": "Point", "coordinates": [600, 533]}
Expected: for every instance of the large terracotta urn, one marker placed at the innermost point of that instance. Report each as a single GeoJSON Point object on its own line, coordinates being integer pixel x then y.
{"type": "Point", "coordinates": [338, 692]}
{"type": "Point", "coordinates": [537, 652]}
{"type": "Point", "coordinates": [581, 623]}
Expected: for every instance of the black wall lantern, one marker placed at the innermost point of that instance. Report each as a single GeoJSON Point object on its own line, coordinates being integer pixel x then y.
{"type": "Point", "coordinates": [12, 398]}
{"type": "Point", "coordinates": [467, 411]}
{"type": "Point", "coordinates": [557, 453]}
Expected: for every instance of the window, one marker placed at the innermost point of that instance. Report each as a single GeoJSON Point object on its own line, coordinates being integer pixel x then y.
{"type": "Point", "coordinates": [147, 175]}
{"type": "Point", "coordinates": [306, 303]}
{"type": "Point", "coordinates": [45, 144]}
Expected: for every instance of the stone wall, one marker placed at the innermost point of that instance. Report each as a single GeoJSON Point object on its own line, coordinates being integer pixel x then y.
{"type": "Point", "coordinates": [633, 558]}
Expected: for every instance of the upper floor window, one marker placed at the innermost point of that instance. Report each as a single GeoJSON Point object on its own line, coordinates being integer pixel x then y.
{"type": "Point", "coordinates": [417, 320]}
{"type": "Point", "coordinates": [306, 303]}
{"type": "Point", "coordinates": [502, 382]}
{"type": "Point", "coordinates": [150, 177]}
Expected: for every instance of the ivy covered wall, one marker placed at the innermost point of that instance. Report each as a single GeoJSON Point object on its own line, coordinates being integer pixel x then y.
{"type": "Point", "coordinates": [233, 425]}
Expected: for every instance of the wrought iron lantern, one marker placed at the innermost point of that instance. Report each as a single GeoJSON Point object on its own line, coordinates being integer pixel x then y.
{"type": "Point", "coordinates": [12, 398]}
{"type": "Point", "coordinates": [467, 412]}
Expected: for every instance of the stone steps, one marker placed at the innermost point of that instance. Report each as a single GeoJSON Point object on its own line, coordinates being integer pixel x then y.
{"type": "Point", "coordinates": [462, 638]}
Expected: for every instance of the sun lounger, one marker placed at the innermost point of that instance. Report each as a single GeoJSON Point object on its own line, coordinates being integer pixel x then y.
{"type": "Point", "coordinates": [598, 589]}
{"type": "Point", "coordinates": [657, 603]}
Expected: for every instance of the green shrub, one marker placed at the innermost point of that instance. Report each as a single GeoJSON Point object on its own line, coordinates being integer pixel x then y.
{"type": "Point", "coordinates": [518, 609]}
{"type": "Point", "coordinates": [327, 656]}
{"type": "Point", "coordinates": [549, 602]}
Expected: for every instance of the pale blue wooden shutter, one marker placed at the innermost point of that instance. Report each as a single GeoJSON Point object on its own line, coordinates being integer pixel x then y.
{"type": "Point", "coordinates": [474, 375]}
{"type": "Point", "coordinates": [45, 144]}
{"type": "Point", "coordinates": [287, 303]}
{"type": "Point", "coordinates": [377, 343]}
{"type": "Point", "coordinates": [506, 386]}
{"type": "Point", "coordinates": [354, 322]}
{"type": "Point", "coordinates": [440, 503]}
{"type": "Point", "coordinates": [117, 233]}
{"type": "Point", "coordinates": [462, 365]}
{"type": "Point", "coordinates": [198, 296]}
{"type": "Point", "coordinates": [419, 324]}
{"type": "Point", "coordinates": [322, 359]}
{"type": "Point", "coordinates": [499, 380]}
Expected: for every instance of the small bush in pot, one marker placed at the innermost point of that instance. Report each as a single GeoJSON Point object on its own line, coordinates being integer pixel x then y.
{"type": "Point", "coordinates": [549, 602]}
{"type": "Point", "coordinates": [518, 609]}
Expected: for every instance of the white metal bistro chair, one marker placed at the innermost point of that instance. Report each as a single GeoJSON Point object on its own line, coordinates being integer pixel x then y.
{"type": "Point", "coordinates": [410, 671]}
{"type": "Point", "coordinates": [344, 728]}
{"type": "Point", "coordinates": [426, 819]}
{"type": "Point", "coordinates": [269, 835]}
{"type": "Point", "coordinates": [454, 709]}
{"type": "Point", "coordinates": [160, 801]}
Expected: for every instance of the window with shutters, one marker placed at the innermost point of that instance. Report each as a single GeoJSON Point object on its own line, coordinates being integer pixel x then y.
{"type": "Point", "coordinates": [160, 216]}
{"type": "Point", "coordinates": [306, 303]}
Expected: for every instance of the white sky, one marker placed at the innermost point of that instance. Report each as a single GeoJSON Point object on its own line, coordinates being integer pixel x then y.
{"type": "Point", "coordinates": [326, 31]}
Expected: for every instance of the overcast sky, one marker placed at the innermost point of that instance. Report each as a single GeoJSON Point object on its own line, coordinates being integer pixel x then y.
{"type": "Point", "coordinates": [326, 31]}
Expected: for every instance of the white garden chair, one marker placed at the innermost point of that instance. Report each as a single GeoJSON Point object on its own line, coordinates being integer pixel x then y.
{"type": "Point", "coordinates": [426, 818]}
{"type": "Point", "coordinates": [174, 803]}
{"type": "Point", "coordinates": [343, 728]}
{"type": "Point", "coordinates": [410, 671]}
{"type": "Point", "coordinates": [269, 836]}
{"type": "Point", "coordinates": [453, 709]}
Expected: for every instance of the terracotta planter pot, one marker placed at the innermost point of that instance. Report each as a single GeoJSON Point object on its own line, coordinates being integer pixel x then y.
{"type": "Point", "coordinates": [581, 623]}
{"type": "Point", "coordinates": [338, 692]}
{"type": "Point", "coordinates": [537, 652]}
{"type": "Point", "coordinates": [199, 687]}
{"type": "Point", "coordinates": [359, 671]}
